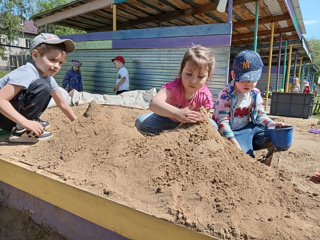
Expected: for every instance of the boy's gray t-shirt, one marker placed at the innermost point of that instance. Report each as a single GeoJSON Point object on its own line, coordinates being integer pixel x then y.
{"type": "Point", "coordinates": [242, 114]}
{"type": "Point", "coordinates": [25, 75]}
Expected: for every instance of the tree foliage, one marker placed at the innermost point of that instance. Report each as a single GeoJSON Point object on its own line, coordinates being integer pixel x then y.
{"type": "Point", "coordinates": [315, 46]}
{"type": "Point", "coordinates": [45, 5]}
{"type": "Point", "coordinates": [12, 11]}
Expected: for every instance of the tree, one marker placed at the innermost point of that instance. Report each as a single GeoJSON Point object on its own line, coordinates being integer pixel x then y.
{"type": "Point", "coordinates": [315, 48]}
{"type": "Point", "coordinates": [45, 5]}
{"type": "Point", "coordinates": [11, 12]}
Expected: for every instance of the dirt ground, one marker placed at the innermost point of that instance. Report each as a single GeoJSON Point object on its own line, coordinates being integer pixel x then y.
{"type": "Point", "coordinates": [190, 176]}
{"type": "Point", "coordinates": [17, 225]}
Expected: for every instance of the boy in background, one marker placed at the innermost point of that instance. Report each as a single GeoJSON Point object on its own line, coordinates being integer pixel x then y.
{"type": "Point", "coordinates": [239, 110]}
{"type": "Point", "coordinates": [122, 83]}
{"type": "Point", "coordinates": [26, 92]}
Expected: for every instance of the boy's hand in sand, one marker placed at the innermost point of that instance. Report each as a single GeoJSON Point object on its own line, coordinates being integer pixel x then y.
{"type": "Point", "coordinates": [235, 142]}
{"type": "Point", "coordinates": [277, 124]}
{"type": "Point", "coordinates": [34, 126]}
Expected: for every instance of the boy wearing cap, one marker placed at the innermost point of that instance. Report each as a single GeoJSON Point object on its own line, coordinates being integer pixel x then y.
{"type": "Point", "coordinates": [122, 83]}
{"type": "Point", "coordinates": [26, 92]}
{"type": "Point", "coordinates": [239, 110]}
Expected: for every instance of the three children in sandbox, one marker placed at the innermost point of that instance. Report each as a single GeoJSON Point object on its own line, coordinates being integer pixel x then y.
{"type": "Point", "coordinates": [238, 112]}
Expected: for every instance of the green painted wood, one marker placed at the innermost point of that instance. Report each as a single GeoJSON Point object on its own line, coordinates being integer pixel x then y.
{"type": "Point", "coordinates": [295, 22]}
{"type": "Point", "coordinates": [302, 76]}
{"type": "Point", "coordinates": [94, 45]}
{"type": "Point", "coordinates": [255, 38]}
{"type": "Point", "coordinates": [308, 74]}
{"type": "Point", "coordinates": [119, 1]}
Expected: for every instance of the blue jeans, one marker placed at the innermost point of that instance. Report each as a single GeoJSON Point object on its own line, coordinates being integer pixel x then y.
{"type": "Point", "coordinates": [30, 103]}
{"type": "Point", "coordinates": [253, 137]}
{"type": "Point", "coordinates": [154, 123]}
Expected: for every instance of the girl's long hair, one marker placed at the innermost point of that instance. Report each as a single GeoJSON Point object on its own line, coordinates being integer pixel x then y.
{"type": "Point", "coordinates": [198, 56]}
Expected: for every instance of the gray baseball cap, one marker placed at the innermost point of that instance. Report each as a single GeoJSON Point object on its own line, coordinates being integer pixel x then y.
{"type": "Point", "coordinates": [52, 39]}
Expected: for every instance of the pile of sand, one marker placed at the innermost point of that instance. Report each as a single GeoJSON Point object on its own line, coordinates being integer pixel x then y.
{"type": "Point", "coordinates": [190, 176]}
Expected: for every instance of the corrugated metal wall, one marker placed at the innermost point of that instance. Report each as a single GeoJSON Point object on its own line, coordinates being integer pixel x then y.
{"type": "Point", "coordinates": [262, 83]}
{"type": "Point", "coordinates": [148, 68]}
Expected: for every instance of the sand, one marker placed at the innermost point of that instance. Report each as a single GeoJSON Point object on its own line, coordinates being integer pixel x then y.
{"type": "Point", "coordinates": [190, 176]}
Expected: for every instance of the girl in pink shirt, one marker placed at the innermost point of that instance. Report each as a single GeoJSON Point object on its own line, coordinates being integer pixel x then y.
{"type": "Point", "coordinates": [178, 101]}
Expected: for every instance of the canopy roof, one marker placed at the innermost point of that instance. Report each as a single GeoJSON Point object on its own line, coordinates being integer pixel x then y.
{"type": "Point", "coordinates": [97, 16]}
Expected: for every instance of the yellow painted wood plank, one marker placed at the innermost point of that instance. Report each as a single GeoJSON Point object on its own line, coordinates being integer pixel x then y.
{"type": "Point", "coordinates": [121, 219]}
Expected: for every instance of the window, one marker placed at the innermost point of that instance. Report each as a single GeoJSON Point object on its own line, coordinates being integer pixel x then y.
{"type": "Point", "coordinates": [16, 41]}
{"type": "Point", "coordinates": [28, 43]}
{"type": "Point", "coordinates": [3, 39]}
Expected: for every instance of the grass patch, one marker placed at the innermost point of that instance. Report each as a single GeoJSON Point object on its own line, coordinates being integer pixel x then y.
{"type": "Point", "coordinates": [3, 73]}
{"type": "Point", "coordinates": [41, 233]}
{"type": "Point", "coordinates": [316, 114]}
{"type": "Point", "coordinates": [4, 198]}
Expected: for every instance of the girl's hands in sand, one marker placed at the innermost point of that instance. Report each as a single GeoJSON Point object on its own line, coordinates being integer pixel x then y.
{"type": "Point", "coordinates": [187, 115]}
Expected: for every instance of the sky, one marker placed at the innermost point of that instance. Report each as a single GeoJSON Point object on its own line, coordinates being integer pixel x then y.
{"type": "Point", "coordinates": [310, 10]}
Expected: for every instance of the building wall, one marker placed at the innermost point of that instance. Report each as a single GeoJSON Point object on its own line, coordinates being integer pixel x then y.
{"type": "Point", "coordinates": [17, 51]}
{"type": "Point", "coordinates": [152, 56]}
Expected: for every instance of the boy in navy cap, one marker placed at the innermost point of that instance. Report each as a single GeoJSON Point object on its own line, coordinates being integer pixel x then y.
{"type": "Point", "coordinates": [239, 110]}
{"type": "Point", "coordinates": [122, 82]}
{"type": "Point", "coordinates": [26, 92]}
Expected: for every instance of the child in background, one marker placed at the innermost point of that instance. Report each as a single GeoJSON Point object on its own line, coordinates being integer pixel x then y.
{"type": "Point", "coordinates": [73, 77]}
{"type": "Point", "coordinates": [26, 92]}
{"type": "Point", "coordinates": [122, 83]}
{"type": "Point", "coordinates": [178, 101]}
{"type": "Point", "coordinates": [239, 109]}
{"type": "Point", "coordinates": [295, 86]}
{"type": "Point", "coordinates": [306, 88]}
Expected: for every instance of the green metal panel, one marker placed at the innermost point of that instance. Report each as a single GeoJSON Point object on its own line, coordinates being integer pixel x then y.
{"type": "Point", "coordinates": [262, 83]}
{"type": "Point", "coordinates": [94, 45]}
{"type": "Point", "coordinates": [148, 68]}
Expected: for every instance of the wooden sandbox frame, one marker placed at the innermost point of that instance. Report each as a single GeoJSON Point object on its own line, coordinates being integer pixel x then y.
{"type": "Point", "coordinates": [125, 221]}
